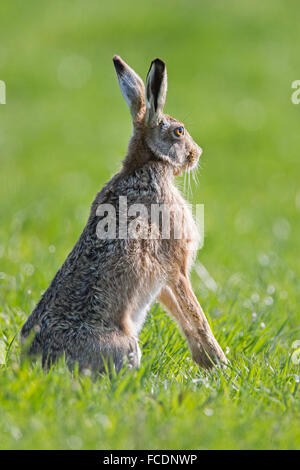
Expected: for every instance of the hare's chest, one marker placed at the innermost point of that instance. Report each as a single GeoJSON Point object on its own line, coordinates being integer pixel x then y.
{"type": "Point", "coordinates": [184, 222]}
{"type": "Point", "coordinates": [186, 235]}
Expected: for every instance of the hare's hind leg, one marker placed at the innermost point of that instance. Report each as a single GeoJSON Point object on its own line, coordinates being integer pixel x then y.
{"type": "Point", "coordinates": [98, 352]}
{"type": "Point", "coordinates": [180, 300]}
{"type": "Point", "coordinates": [88, 348]}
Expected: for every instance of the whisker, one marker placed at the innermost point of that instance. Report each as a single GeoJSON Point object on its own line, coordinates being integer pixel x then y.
{"type": "Point", "coordinates": [184, 183]}
{"type": "Point", "coordinates": [195, 175]}
{"type": "Point", "coordinates": [190, 187]}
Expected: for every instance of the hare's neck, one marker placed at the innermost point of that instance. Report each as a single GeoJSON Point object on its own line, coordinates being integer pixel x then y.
{"type": "Point", "coordinates": [139, 155]}
{"type": "Point", "coordinates": [164, 173]}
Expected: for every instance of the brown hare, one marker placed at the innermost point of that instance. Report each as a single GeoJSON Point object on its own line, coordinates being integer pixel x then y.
{"type": "Point", "coordinates": [95, 306]}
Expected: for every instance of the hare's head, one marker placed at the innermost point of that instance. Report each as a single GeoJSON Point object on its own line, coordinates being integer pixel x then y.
{"type": "Point", "coordinates": [164, 136]}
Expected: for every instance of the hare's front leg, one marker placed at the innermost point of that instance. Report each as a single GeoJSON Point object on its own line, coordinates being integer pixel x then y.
{"type": "Point", "coordinates": [180, 300]}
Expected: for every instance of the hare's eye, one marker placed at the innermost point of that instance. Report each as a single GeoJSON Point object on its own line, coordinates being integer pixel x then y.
{"type": "Point", "coordinates": [179, 131]}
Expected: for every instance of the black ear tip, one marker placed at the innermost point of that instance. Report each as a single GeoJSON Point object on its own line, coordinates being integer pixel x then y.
{"type": "Point", "coordinates": [118, 63]}
{"type": "Point", "coordinates": [160, 63]}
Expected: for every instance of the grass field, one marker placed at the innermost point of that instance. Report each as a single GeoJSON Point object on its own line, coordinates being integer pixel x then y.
{"type": "Point", "coordinates": [63, 133]}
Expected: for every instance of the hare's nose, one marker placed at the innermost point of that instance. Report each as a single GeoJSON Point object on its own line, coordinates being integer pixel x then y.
{"type": "Point", "coordinates": [198, 151]}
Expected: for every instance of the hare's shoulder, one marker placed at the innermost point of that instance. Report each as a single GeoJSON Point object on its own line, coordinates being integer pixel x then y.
{"type": "Point", "coordinates": [141, 185]}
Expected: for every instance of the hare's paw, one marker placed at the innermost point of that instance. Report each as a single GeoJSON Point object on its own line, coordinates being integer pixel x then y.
{"type": "Point", "coordinates": [206, 352]}
{"type": "Point", "coordinates": [135, 354]}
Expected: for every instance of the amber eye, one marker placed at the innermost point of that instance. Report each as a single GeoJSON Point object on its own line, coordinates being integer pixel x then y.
{"type": "Point", "coordinates": [179, 131]}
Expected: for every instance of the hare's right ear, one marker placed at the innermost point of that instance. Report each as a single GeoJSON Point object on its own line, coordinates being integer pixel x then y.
{"type": "Point", "coordinates": [132, 88]}
{"type": "Point", "coordinates": [156, 91]}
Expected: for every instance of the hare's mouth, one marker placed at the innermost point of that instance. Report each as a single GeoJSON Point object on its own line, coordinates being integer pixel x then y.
{"type": "Point", "coordinates": [193, 158]}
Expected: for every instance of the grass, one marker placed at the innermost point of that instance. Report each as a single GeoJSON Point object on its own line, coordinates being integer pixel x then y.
{"type": "Point", "coordinates": [63, 133]}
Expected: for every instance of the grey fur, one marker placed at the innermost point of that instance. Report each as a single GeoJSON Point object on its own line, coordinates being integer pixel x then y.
{"type": "Point", "coordinates": [95, 306]}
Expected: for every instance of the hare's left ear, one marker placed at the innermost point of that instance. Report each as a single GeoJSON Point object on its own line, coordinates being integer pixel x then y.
{"type": "Point", "coordinates": [156, 91]}
{"type": "Point", "coordinates": [132, 88]}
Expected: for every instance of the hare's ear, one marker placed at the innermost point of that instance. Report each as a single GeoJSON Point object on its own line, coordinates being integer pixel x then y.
{"type": "Point", "coordinates": [156, 91]}
{"type": "Point", "coordinates": [132, 88]}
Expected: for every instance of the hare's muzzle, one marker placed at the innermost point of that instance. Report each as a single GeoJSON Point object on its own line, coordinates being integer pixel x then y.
{"type": "Point", "coordinates": [193, 156]}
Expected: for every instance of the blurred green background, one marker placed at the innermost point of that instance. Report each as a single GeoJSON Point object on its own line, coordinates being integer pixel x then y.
{"type": "Point", "coordinates": [63, 133]}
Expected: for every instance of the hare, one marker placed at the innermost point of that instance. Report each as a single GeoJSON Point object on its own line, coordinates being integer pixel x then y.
{"type": "Point", "coordinates": [95, 306]}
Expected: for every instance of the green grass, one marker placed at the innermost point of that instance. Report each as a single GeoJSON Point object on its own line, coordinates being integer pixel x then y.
{"type": "Point", "coordinates": [63, 133]}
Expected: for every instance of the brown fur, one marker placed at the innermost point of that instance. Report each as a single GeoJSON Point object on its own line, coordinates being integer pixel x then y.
{"type": "Point", "coordinates": [95, 306]}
